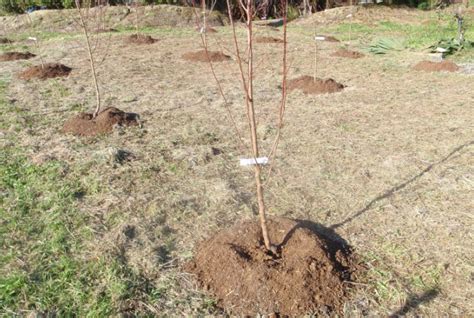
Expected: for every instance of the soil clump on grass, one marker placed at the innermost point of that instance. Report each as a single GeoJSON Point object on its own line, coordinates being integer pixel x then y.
{"type": "Point", "coordinates": [5, 41]}
{"type": "Point", "coordinates": [310, 85]}
{"type": "Point", "coordinates": [443, 66]}
{"type": "Point", "coordinates": [140, 39]}
{"type": "Point", "coordinates": [85, 125]}
{"type": "Point", "coordinates": [348, 54]}
{"type": "Point", "coordinates": [201, 56]}
{"type": "Point", "coordinates": [50, 70]}
{"type": "Point", "coordinates": [307, 276]}
{"type": "Point", "coordinates": [268, 39]}
{"type": "Point", "coordinates": [13, 56]}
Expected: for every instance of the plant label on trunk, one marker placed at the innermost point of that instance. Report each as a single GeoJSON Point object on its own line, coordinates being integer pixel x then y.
{"type": "Point", "coordinates": [253, 161]}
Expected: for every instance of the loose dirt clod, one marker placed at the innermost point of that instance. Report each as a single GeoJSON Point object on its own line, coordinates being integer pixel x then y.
{"type": "Point", "coordinates": [348, 54]}
{"type": "Point", "coordinates": [84, 125]}
{"type": "Point", "coordinates": [306, 277]}
{"type": "Point", "coordinates": [268, 39]}
{"type": "Point", "coordinates": [310, 85]}
{"type": "Point", "coordinates": [201, 56]}
{"type": "Point", "coordinates": [443, 66]}
{"type": "Point", "coordinates": [50, 70]}
{"type": "Point", "coordinates": [140, 39]}
{"type": "Point", "coordinates": [13, 56]}
{"type": "Point", "coordinates": [5, 41]}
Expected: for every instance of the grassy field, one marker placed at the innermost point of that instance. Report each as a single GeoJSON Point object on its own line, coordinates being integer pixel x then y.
{"type": "Point", "coordinates": [101, 226]}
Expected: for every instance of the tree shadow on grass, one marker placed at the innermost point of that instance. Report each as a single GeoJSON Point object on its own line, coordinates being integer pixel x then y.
{"type": "Point", "coordinates": [414, 301]}
{"type": "Point", "coordinates": [401, 186]}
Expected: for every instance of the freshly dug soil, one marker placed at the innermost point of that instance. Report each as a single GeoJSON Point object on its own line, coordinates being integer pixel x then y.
{"type": "Point", "coordinates": [309, 85]}
{"type": "Point", "coordinates": [84, 125]}
{"type": "Point", "coordinates": [200, 56]}
{"type": "Point", "coordinates": [443, 66]}
{"type": "Point", "coordinates": [306, 277]}
{"type": "Point", "coordinates": [141, 39]}
{"type": "Point", "coordinates": [268, 39]}
{"type": "Point", "coordinates": [50, 70]}
{"type": "Point", "coordinates": [348, 54]}
{"type": "Point", "coordinates": [13, 56]}
{"type": "Point", "coordinates": [329, 38]}
{"type": "Point", "coordinates": [106, 30]}
{"type": "Point", "coordinates": [5, 41]}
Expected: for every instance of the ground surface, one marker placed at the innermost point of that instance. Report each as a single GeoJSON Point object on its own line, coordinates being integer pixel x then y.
{"type": "Point", "coordinates": [102, 225]}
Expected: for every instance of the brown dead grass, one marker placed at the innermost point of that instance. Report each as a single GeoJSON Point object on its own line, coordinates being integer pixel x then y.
{"type": "Point", "coordinates": [386, 163]}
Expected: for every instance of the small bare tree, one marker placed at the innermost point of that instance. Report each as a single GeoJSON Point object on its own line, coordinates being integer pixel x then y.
{"type": "Point", "coordinates": [247, 70]}
{"type": "Point", "coordinates": [86, 31]}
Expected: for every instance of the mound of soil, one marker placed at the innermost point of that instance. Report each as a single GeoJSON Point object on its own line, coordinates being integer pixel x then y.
{"type": "Point", "coordinates": [50, 70]}
{"type": "Point", "coordinates": [348, 54]}
{"type": "Point", "coordinates": [328, 38]}
{"type": "Point", "coordinates": [310, 85]}
{"type": "Point", "coordinates": [84, 125]}
{"type": "Point", "coordinates": [5, 41]}
{"type": "Point", "coordinates": [13, 56]}
{"type": "Point", "coordinates": [141, 39]}
{"type": "Point", "coordinates": [201, 56]}
{"type": "Point", "coordinates": [306, 277]}
{"type": "Point", "coordinates": [268, 39]}
{"type": "Point", "coordinates": [443, 66]}
{"type": "Point", "coordinates": [106, 30]}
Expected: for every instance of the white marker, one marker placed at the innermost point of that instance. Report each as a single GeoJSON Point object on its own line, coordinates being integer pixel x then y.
{"type": "Point", "coordinates": [320, 38]}
{"type": "Point", "coordinates": [32, 38]}
{"type": "Point", "coordinates": [252, 161]}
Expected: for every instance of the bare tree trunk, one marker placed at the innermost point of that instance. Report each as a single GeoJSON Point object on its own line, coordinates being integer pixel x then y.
{"type": "Point", "coordinates": [91, 58]}
{"type": "Point", "coordinates": [253, 129]}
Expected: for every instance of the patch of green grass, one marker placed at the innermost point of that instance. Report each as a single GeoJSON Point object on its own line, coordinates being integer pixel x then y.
{"type": "Point", "coordinates": [42, 236]}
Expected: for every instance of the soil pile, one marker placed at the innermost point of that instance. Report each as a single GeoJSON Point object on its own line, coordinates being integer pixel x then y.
{"type": "Point", "coordinates": [5, 41]}
{"type": "Point", "coordinates": [50, 70]}
{"type": "Point", "coordinates": [84, 125]}
{"type": "Point", "coordinates": [140, 39]}
{"type": "Point", "coordinates": [13, 56]}
{"type": "Point", "coordinates": [443, 66]}
{"type": "Point", "coordinates": [201, 56]}
{"type": "Point", "coordinates": [310, 85]}
{"type": "Point", "coordinates": [348, 54]}
{"type": "Point", "coordinates": [268, 39]}
{"type": "Point", "coordinates": [306, 277]}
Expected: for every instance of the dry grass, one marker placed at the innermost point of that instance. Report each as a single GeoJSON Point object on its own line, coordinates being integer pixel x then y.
{"type": "Point", "coordinates": [388, 163]}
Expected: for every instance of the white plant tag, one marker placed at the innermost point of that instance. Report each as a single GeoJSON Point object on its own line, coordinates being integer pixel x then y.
{"type": "Point", "coordinates": [320, 38]}
{"type": "Point", "coordinates": [32, 38]}
{"type": "Point", "coordinates": [251, 161]}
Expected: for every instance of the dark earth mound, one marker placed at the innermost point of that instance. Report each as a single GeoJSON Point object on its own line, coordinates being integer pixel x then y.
{"type": "Point", "coordinates": [268, 39]}
{"type": "Point", "coordinates": [443, 66]}
{"type": "Point", "coordinates": [5, 41]}
{"type": "Point", "coordinates": [201, 56]}
{"type": "Point", "coordinates": [140, 39]}
{"type": "Point", "coordinates": [310, 85]}
{"type": "Point", "coordinates": [348, 54]}
{"type": "Point", "coordinates": [84, 125]}
{"type": "Point", "coordinates": [308, 276]}
{"type": "Point", "coordinates": [13, 56]}
{"type": "Point", "coordinates": [50, 70]}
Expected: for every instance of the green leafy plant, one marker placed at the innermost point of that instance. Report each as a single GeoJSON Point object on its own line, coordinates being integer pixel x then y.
{"type": "Point", "coordinates": [385, 45]}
